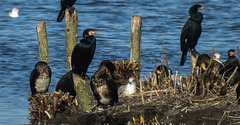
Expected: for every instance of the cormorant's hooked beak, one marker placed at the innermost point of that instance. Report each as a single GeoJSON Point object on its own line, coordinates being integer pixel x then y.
{"type": "Point", "coordinates": [202, 7]}
{"type": "Point", "coordinates": [93, 32]}
{"type": "Point", "coordinates": [203, 66]}
{"type": "Point", "coordinates": [231, 53]}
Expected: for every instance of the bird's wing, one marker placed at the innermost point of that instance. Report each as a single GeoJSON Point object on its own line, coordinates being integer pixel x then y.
{"type": "Point", "coordinates": [33, 78]}
{"type": "Point", "coordinates": [185, 34]}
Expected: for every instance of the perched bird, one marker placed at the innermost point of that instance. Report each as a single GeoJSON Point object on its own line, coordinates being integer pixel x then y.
{"type": "Point", "coordinates": [162, 73]}
{"type": "Point", "coordinates": [128, 89]}
{"type": "Point", "coordinates": [193, 58]}
{"type": "Point", "coordinates": [66, 84]}
{"type": "Point", "coordinates": [40, 78]}
{"type": "Point", "coordinates": [203, 61]}
{"type": "Point", "coordinates": [191, 31]}
{"type": "Point", "coordinates": [231, 63]}
{"type": "Point", "coordinates": [216, 67]}
{"type": "Point", "coordinates": [163, 69]}
{"type": "Point", "coordinates": [13, 13]}
{"type": "Point", "coordinates": [64, 4]}
{"type": "Point", "coordinates": [83, 52]}
{"type": "Point", "coordinates": [103, 85]}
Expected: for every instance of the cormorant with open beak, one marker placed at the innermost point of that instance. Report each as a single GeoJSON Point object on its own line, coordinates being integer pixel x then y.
{"type": "Point", "coordinates": [191, 31]}
{"type": "Point", "coordinates": [103, 85]}
{"type": "Point", "coordinates": [83, 52]}
{"type": "Point", "coordinates": [65, 4]}
{"type": "Point", "coordinates": [40, 78]}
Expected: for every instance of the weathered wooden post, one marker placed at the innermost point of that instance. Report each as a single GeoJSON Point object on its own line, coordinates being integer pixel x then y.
{"type": "Point", "coordinates": [136, 25]}
{"type": "Point", "coordinates": [42, 41]}
{"type": "Point", "coordinates": [83, 93]}
{"type": "Point", "coordinates": [70, 35]}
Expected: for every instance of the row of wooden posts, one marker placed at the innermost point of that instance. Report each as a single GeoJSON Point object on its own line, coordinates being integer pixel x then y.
{"type": "Point", "coordinates": [71, 38]}
{"type": "Point", "coordinates": [81, 86]}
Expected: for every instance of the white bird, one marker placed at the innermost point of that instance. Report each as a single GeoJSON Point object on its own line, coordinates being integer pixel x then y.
{"type": "Point", "coordinates": [217, 57]}
{"type": "Point", "coordinates": [129, 88]}
{"type": "Point", "coordinates": [13, 13]}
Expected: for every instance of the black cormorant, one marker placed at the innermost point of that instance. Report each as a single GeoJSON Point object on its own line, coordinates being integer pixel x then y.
{"type": "Point", "coordinates": [216, 67]}
{"type": "Point", "coordinates": [83, 52]}
{"type": "Point", "coordinates": [158, 70]}
{"type": "Point", "coordinates": [162, 72]}
{"type": "Point", "coordinates": [103, 85]}
{"type": "Point", "coordinates": [203, 61]}
{"type": "Point", "coordinates": [231, 63]}
{"type": "Point", "coordinates": [64, 4]}
{"type": "Point", "coordinates": [66, 84]}
{"type": "Point", "coordinates": [191, 31]}
{"type": "Point", "coordinates": [40, 78]}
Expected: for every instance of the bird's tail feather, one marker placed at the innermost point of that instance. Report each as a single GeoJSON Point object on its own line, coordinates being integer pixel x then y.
{"type": "Point", "coordinates": [183, 58]}
{"type": "Point", "coordinates": [61, 15]}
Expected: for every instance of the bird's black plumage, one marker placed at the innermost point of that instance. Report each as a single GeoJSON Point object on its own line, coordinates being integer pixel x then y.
{"type": "Point", "coordinates": [232, 62]}
{"type": "Point", "coordinates": [40, 78]}
{"type": "Point", "coordinates": [162, 72]}
{"type": "Point", "coordinates": [66, 84]}
{"type": "Point", "coordinates": [64, 5]}
{"type": "Point", "coordinates": [166, 70]}
{"type": "Point", "coordinates": [103, 85]}
{"type": "Point", "coordinates": [230, 65]}
{"type": "Point", "coordinates": [83, 52]}
{"type": "Point", "coordinates": [203, 61]}
{"type": "Point", "coordinates": [191, 31]}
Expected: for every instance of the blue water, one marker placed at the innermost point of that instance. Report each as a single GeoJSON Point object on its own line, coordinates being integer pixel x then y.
{"type": "Point", "coordinates": [162, 22]}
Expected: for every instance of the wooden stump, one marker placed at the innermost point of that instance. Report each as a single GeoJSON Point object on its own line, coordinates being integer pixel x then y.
{"type": "Point", "coordinates": [42, 41]}
{"type": "Point", "coordinates": [83, 93]}
{"type": "Point", "coordinates": [70, 35]}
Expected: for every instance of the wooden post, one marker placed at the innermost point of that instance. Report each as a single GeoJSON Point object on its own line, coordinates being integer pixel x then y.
{"type": "Point", "coordinates": [42, 41]}
{"type": "Point", "coordinates": [135, 42]}
{"type": "Point", "coordinates": [83, 93]}
{"type": "Point", "coordinates": [70, 35]}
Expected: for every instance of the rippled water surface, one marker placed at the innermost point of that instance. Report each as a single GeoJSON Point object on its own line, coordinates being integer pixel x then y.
{"type": "Point", "coordinates": [162, 21]}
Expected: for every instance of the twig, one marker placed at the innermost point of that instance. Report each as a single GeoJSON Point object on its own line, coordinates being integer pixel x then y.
{"type": "Point", "coordinates": [49, 116]}
{"type": "Point", "coordinates": [233, 117]}
{"type": "Point", "coordinates": [156, 120]}
{"type": "Point", "coordinates": [221, 120]}
{"type": "Point", "coordinates": [210, 61]}
{"type": "Point", "coordinates": [231, 76]}
{"type": "Point", "coordinates": [162, 54]}
{"type": "Point", "coordinates": [205, 100]}
{"type": "Point", "coordinates": [141, 92]}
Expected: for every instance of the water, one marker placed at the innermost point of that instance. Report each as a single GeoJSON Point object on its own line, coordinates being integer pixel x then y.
{"type": "Point", "coordinates": [162, 22]}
